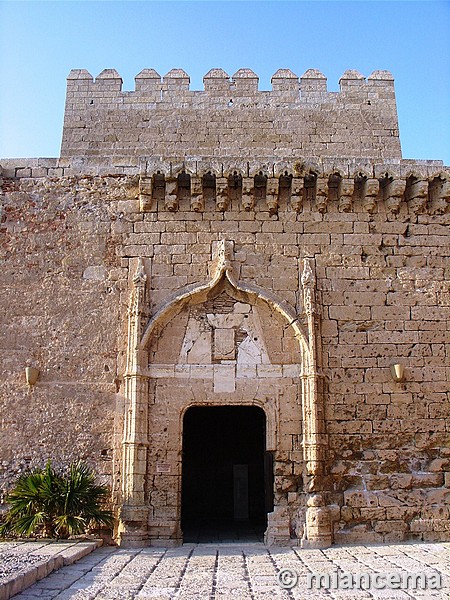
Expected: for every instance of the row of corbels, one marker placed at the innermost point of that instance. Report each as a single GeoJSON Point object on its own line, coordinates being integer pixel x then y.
{"type": "Point", "coordinates": [418, 193]}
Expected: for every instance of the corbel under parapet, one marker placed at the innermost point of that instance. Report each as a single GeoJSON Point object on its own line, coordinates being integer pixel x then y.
{"type": "Point", "coordinates": [417, 196]}
{"type": "Point", "coordinates": [248, 195]}
{"type": "Point", "coordinates": [370, 191]}
{"type": "Point", "coordinates": [222, 194]}
{"type": "Point", "coordinates": [440, 195]}
{"type": "Point", "coordinates": [321, 194]}
{"type": "Point", "coordinates": [297, 193]}
{"type": "Point", "coordinates": [145, 193]}
{"type": "Point", "coordinates": [197, 200]}
{"type": "Point", "coordinates": [393, 194]}
{"type": "Point", "coordinates": [272, 192]}
{"type": "Point", "coordinates": [345, 194]}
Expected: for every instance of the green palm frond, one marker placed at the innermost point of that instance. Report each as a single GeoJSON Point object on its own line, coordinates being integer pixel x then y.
{"type": "Point", "coordinates": [27, 524]}
{"type": "Point", "coordinates": [44, 501]}
{"type": "Point", "coordinates": [70, 524]}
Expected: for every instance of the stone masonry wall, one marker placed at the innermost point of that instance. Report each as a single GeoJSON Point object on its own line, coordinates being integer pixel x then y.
{"type": "Point", "coordinates": [231, 117]}
{"type": "Point", "coordinates": [70, 246]}
{"type": "Point", "coordinates": [60, 313]}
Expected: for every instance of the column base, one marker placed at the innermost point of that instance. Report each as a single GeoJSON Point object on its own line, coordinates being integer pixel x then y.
{"type": "Point", "coordinates": [318, 543]}
{"type": "Point", "coordinates": [133, 527]}
{"type": "Point", "coordinates": [318, 527]}
{"type": "Point", "coordinates": [133, 540]}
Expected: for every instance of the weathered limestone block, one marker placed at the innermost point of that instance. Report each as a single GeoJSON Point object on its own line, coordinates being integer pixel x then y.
{"type": "Point", "coordinates": [278, 528]}
{"type": "Point", "coordinates": [318, 524]}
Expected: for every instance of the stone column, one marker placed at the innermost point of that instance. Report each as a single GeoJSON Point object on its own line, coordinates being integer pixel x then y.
{"type": "Point", "coordinates": [134, 513]}
{"type": "Point", "coordinates": [315, 441]}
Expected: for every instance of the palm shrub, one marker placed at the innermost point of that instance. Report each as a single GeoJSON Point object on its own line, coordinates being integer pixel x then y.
{"type": "Point", "coordinates": [56, 505]}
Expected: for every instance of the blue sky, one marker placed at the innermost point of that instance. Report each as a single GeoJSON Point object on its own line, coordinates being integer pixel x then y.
{"type": "Point", "coordinates": [40, 42]}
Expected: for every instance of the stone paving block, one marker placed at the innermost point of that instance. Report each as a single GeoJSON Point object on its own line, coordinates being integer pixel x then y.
{"type": "Point", "coordinates": [52, 555]}
{"type": "Point", "coordinates": [236, 573]}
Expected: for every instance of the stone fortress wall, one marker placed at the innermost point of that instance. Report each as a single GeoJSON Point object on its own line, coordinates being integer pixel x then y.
{"type": "Point", "coordinates": [128, 272]}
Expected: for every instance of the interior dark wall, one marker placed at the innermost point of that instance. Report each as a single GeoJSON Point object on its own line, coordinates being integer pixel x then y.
{"type": "Point", "coordinates": [215, 439]}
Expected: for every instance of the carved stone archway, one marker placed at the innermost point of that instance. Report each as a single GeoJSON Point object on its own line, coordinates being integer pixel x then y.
{"type": "Point", "coordinates": [134, 516]}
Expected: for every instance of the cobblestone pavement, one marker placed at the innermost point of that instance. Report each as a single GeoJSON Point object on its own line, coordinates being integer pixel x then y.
{"type": "Point", "coordinates": [239, 572]}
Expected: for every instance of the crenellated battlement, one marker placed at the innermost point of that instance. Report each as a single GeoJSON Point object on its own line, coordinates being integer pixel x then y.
{"type": "Point", "coordinates": [231, 116]}
{"type": "Point", "coordinates": [177, 83]}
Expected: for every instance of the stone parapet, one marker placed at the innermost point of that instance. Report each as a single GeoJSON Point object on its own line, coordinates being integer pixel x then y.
{"type": "Point", "coordinates": [219, 166]}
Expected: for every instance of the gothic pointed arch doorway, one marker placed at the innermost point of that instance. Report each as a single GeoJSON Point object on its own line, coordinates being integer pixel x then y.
{"type": "Point", "coordinates": [222, 343]}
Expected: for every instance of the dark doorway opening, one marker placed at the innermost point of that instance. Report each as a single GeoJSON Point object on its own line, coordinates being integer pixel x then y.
{"type": "Point", "coordinates": [227, 483]}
